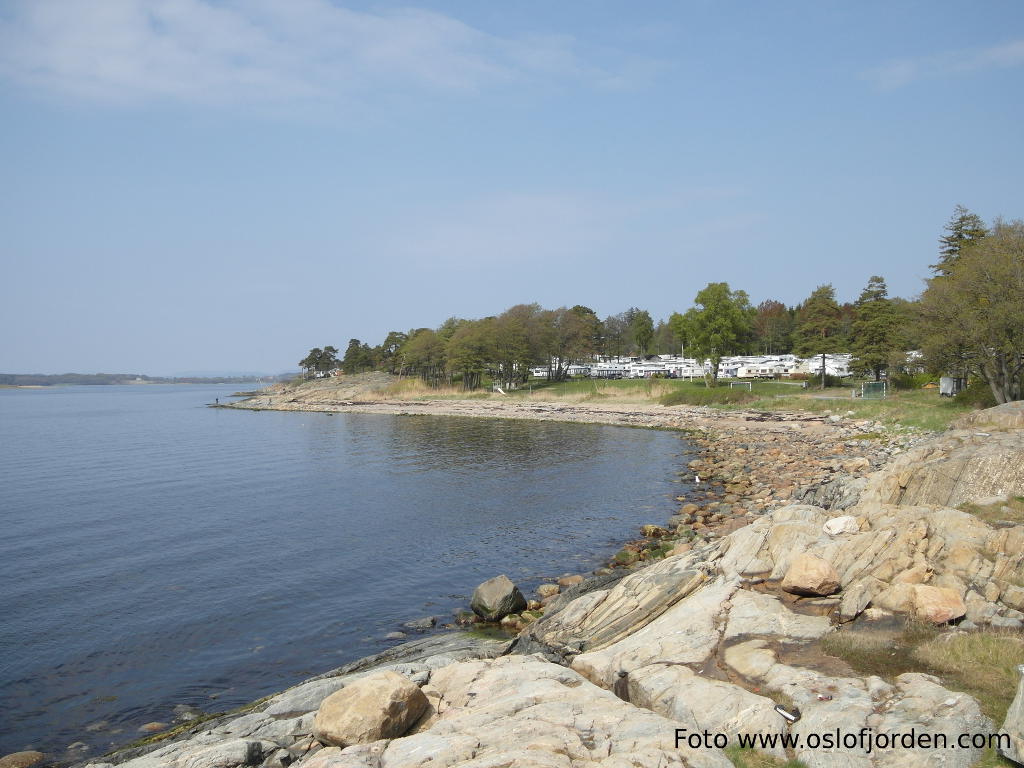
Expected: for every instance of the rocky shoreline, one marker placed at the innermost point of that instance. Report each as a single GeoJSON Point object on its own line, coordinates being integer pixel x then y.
{"type": "Point", "coordinates": [697, 623]}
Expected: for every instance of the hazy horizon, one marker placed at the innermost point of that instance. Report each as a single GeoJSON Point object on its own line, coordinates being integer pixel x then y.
{"type": "Point", "coordinates": [224, 185]}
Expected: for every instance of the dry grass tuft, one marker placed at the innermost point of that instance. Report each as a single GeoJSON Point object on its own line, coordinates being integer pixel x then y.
{"type": "Point", "coordinates": [747, 758]}
{"type": "Point", "coordinates": [982, 663]}
{"type": "Point", "coordinates": [1009, 510]}
{"type": "Point", "coordinates": [416, 389]}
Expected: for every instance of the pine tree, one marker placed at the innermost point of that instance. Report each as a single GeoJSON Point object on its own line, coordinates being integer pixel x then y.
{"type": "Point", "coordinates": [875, 329]}
{"type": "Point", "coordinates": [963, 229]}
{"type": "Point", "coordinates": [819, 323]}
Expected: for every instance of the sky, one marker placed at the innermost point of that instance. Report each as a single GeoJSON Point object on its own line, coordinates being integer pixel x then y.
{"type": "Point", "coordinates": [220, 185]}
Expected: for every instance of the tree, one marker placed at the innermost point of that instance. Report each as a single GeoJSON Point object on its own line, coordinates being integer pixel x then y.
{"type": "Point", "coordinates": [470, 349]}
{"type": "Point", "coordinates": [665, 341]}
{"type": "Point", "coordinates": [773, 325]}
{"type": "Point", "coordinates": [642, 328]}
{"type": "Point", "coordinates": [389, 358]}
{"type": "Point", "coordinates": [875, 329]}
{"type": "Point", "coordinates": [963, 229]}
{"type": "Point", "coordinates": [616, 335]}
{"type": "Point", "coordinates": [511, 345]}
{"type": "Point", "coordinates": [819, 322]}
{"type": "Point", "coordinates": [591, 334]}
{"type": "Point", "coordinates": [717, 325]}
{"type": "Point", "coordinates": [308, 363]}
{"type": "Point", "coordinates": [358, 357]}
{"type": "Point", "coordinates": [973, 315]}
{"type": "Point", "coordinates": [424, 354]}
{"type": "Point", "coordinates": [320, 360]}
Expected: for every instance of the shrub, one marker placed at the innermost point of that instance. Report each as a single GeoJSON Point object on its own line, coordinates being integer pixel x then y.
{"type": "Point", "coordinates": [910, 380]}
{"type": "Point", "coordinates": [977, 394]}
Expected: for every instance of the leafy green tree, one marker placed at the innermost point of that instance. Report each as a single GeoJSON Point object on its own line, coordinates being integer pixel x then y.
{"type": "Point", "coordinates": [907, 318]}
{"type": "Point", "coordinates": [773, 327]}
{"type": "Point", "coordinates": [665, 341]}
{"type": "Point", "coordinates": [425, 354]}
{"type": "Point", "coordinates": [567, 336]}
{"type": "Point", "coordinates": [389, 358]}
{"type": "Point", "coordinates": [818, 326]}
{"type": "Point", "coordinates": [963, 229]}
{"type": "Point", "coordinates": [358, 357]}
{"type": "Point", "coordinates": [616, 335]}
{"type": "Point", "coordinates": [973, 315]}
{"type": "Point", "coordinates": [875, 332]}
{"type": "Point", "coordinates": [642, 328]}
{"type": "Point", "coordinates": [591, 333]}
{"type": "Point", "coordinates": [319, 360]}
{"type": "Point", "coordinates": [308, 363]}
{"type": "Point", "coordinates": [470, 350]}
{"type": "Point", "coordinates": [511, 343]}
{"type": "Point", "coordinates": [719, 324]}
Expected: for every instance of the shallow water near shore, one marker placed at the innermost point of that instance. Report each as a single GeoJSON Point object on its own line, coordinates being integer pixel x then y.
{"type": "Point", "coordinates": [156, 552]}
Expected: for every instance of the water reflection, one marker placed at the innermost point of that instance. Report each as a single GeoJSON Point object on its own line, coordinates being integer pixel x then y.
{"type": "Point", "coordinates": [146, 574]}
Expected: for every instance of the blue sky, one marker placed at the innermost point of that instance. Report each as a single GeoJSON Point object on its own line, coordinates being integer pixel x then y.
{"type": "Point", "coordinates": [198, 185]}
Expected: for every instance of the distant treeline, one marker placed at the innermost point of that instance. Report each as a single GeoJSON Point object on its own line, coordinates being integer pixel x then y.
{"type": "Point", "coordinates": [47, 380]}
{"type": "Point", "coordinates": [967, 321]}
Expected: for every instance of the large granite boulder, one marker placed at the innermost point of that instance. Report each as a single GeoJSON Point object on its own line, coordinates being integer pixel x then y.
{"type": "Point", "coordinates": [1003, 417]}
{"type": "Point", "coordinates": [382, 705]}
{"type": "Point", "coordinates": [956, 468]}
{"type": "Point", "coordinates": [497, 598]}
{"type": "Point", "coordinates": [810, 575]}
{"type": "Point", "coordinates": [937, 604]}
{"type": "Point", "coordinates": [1013, 725]}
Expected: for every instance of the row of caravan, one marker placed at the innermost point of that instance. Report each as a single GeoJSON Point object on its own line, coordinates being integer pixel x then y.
{"type": "Point", "coordinates": [669, 366]}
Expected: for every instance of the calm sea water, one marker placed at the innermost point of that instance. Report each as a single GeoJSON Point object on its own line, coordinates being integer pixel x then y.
{"type": "Point", "coordinates": [156, 552]}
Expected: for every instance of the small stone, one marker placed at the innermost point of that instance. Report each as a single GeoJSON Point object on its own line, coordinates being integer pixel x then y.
{"type": "Point", "coordinates": [840, 525]}
{"type": "Point", "coordinates": [680, 548]}
{"type": "Point", "coordinates": [395, 635]}
{"type": "Point", "coordinates": [421, 625]}
{"type": "Point", "coordinates": [626, 556]}
{"type": "Point", "coordinates": [570, 581]}
{"type": "Point", "coordinates": [153, 727]}
{"type": "Point", "coordinates": [186, 712]}
{"type": "Point", "coordinates": [547, 590]}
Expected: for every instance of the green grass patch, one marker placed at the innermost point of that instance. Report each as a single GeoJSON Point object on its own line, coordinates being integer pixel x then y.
{"type": "Point", "coordinates": [745, 757]}
{"type": "Point", "coordinates": [921, 409]}
{"type": "Point", "coordinates": [917, 408]}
